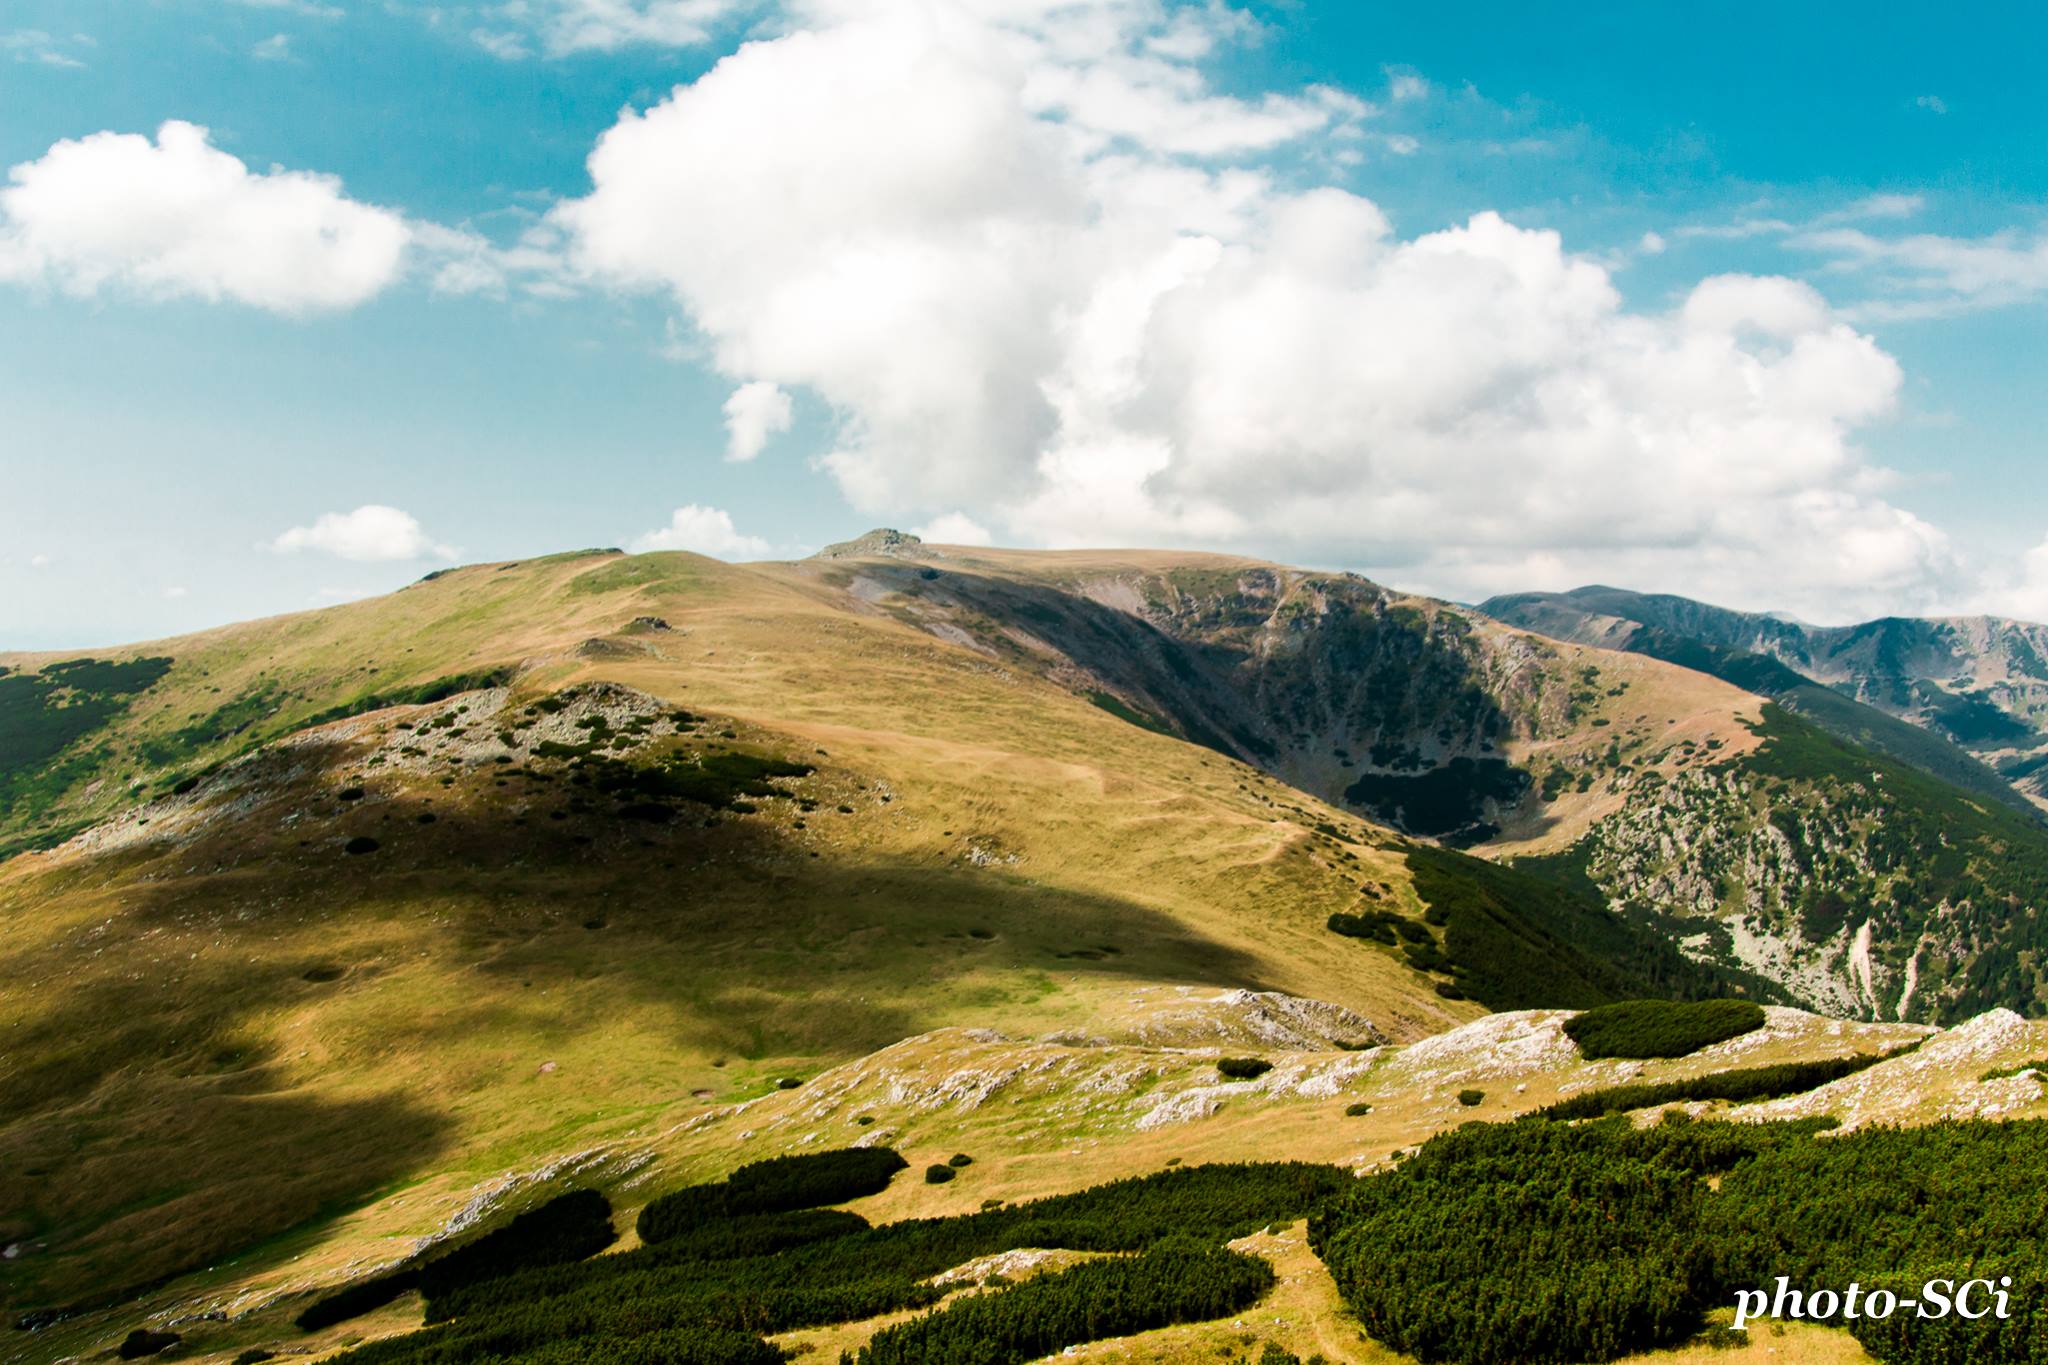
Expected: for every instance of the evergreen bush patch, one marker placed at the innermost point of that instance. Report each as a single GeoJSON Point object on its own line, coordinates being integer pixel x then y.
{"type": "Point", "coordinates": [778, 1185]}
{"type": "Point", "coordinates": [758, 1274]}
{"type": "Point", "coordinates": [1661, 1028]}
{"type": "Point", "coordinates": [1551, 1242]}
{"type": "Point", "coordinates": [1176, 1282]}
{"type": "Point", "coordinates": [1742, 1085]}
{"type": "Point", "coordinates": [143, 1342]}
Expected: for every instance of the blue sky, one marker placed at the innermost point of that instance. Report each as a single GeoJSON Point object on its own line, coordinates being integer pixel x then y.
{"type": "Point", "coordinates": [1745, 302]}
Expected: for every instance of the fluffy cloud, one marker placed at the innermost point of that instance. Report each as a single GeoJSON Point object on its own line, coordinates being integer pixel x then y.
{"type": "Point", "coordinates": [34, 45]}
{"type": "Point", "coordinates": [753, 413]}
{"type": "Point", "coordinates": [566, 27]}
{"type": "Point", "coordinates": [704, 531]}
{"type": "Point", "coordinates": [1928, 274]}
{"type": "Point", "coordinates": [371, 534]}
{"type": "Point", "coordinates": [2025, 595]}
{"type": "Point", "coordinates": [179, 218]}
{"type": "Point", "coordinates": [1046, 278]}
{"type": "Point", "coordinates": [310, 9]}
{"type": "Point", "coordinates": [955, 528]}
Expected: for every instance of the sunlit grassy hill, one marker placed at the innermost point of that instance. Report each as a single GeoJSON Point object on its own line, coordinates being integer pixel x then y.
{"type": "Point", "coordinates": [320, 931]}
{"type": "Point", "coordinates": [222, 1023]}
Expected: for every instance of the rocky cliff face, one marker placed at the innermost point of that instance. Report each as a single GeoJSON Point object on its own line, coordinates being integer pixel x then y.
{"type": "Point", "coordinates": [1859, 885]}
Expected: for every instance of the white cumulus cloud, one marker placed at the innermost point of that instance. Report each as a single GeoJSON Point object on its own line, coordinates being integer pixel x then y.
{"type": "Point", "coordinates": [704, 531]}
{"type": "Point", "coordinates": [179, 218]}
{"type": "Point", "coordinates": [1042, 273]}
{"type": "Point", "coordinates": [1927, 274]}
{"type": "Point", "coordinates": [371, 534]}
{"type": "Point", "coordinates": [955, 528]}
{"type": "Point", "coordinates": [34, 45]}
{"type": "Point", "coordinates": [753, 413]}
{"type": "Point", "coordinates": [2025, 594]}
{"type": "Point", "coordinates": [563, 28]}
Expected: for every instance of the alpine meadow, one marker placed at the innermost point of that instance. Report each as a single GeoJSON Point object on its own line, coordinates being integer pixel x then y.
{"type": "Point", "coordinates": [1334, 929]}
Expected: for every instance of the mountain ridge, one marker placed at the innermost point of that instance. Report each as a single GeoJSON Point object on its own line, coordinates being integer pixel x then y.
{"type": "Point", "coordinates": [1978, 682]}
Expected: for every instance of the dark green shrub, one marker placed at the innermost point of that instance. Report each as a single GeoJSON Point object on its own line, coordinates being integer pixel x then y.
{"type": "Point", "coordinates": [1542, 1241]}
{"type": "Point", "coordinates": [938, 1174]}
{"type": "Point", "coordinates": [960, 1159]}
{"type": "Point", "coordinates": [349, 794]}
{"type": "Point", "coordinates": [1519, 940]}
{"type": "Point", "coordinates": [757, 1274]}
{"type": "Point", "coordinates": [734, 1284]}
{"type": "Point", "coordinates": [255, 1355]}
{"type": "Point", "coordinates": [1425, 957]}
{"type": "Point", "coordinates": [1469, 1098]}
{"type": "Point", "coordinates": [362, 843]}
{"type": "Point", "coordinates": [682, 1212]}
{"type": "Point", "coordinates": [143, 1342]}
{"type": "Point", "coordinates": [1894, 1208]}
{"type": "Point", "coordinates": [1741, 1085]}
{"type": "Point", "coordinates": [1357, 1110]}
{"type": "Point", "coordinates": [1179, 1282]}
{"type": "Point", "coordinates": [788, 1083]}
{"type": "Point", "coordinates": [420, 694]}
{"type": "Point", "coordinates": [672, 1346]}
{"type": "Point", "coordinates": [778, 1185]}
{"type": "Point", "coordinates": [569, 1227]}
{"type": "Point", "coordinates": [1243, 1068]}
{"type": "Point", "coordinates": [1489, 1252]}
{"type": "Point", "coordinates": [354, 1300]}
{"type": "Point", "coordinates": [1661, 1028]}
{"type": "Point", "coordinates": [2000, 1073]}
{"type": "Point", "coordinates": [1377, 927]}
{"type": "Point", "coordinates": [781, 1184]}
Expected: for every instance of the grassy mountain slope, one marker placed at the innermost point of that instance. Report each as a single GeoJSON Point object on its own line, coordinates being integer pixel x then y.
{"type": "Point", "coordinates": [1402, 708]}
{"type": "Point", "coordinates": [1978, 685]}
{"type": "Point", "coordinates": [378, 918]}
{"type": "Point", "coordinates": [1451, 726]}
{"type": "Point", "coordinates": [338, 942]}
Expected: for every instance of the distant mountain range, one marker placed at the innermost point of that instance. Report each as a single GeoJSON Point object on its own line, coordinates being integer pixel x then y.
{"type": "Point", "coordinates": [1979, 684]}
